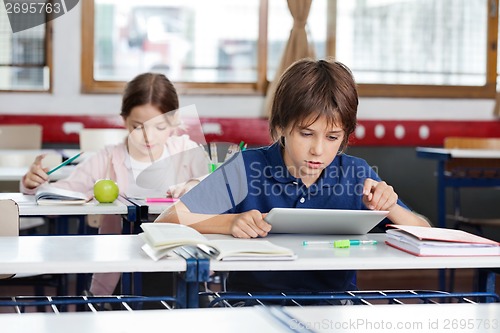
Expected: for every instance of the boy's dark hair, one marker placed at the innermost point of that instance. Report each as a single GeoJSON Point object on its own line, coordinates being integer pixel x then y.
{"type": "Point", "coordinates": [149, 88]}
{"type": "Point", "coordinates": [310, 89]}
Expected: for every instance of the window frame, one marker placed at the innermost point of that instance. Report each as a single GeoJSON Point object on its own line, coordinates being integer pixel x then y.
{"type": "Point", "coordinates": [488, 90]}
{"type": "Point", "coordinates": [48, 63]}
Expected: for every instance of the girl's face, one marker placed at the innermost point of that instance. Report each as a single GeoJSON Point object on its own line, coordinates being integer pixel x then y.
{"type": "Point", "coordinates": [149, 129]}
{"type": "Point", "coordinates": [308, 150]}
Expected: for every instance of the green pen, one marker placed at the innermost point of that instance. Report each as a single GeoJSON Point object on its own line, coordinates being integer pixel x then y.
{"type": "Point", "coordinates": [68, 161]}
{"type": "Point", "coordinates": [343, 243]}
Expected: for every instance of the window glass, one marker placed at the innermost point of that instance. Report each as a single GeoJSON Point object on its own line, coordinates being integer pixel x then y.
{"type": "Point", "coordinates": [23, 60]}
{"type": "Point", "coordinates": [188, 40]}
{"type": "Point", "coordinates": [424, 42]}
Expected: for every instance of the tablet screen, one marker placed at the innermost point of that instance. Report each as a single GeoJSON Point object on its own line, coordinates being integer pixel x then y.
{"type": "Point", "coordinates": [323, 221]}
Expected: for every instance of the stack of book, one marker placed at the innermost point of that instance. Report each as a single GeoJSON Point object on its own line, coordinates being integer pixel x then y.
{"type": "Point", "coordinates": [423, 241]}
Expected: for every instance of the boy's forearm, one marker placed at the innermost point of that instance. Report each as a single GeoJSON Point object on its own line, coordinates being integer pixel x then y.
{"type": "Point", "coordinates": [204, 223]}
{"type": "Point", "coordinates": [400, 215]}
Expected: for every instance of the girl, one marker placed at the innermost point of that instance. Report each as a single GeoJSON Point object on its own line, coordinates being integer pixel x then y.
{"type": "Point", "coordinates": [148, 111]}
{"type": "Point", "coordinates": [313, 113]}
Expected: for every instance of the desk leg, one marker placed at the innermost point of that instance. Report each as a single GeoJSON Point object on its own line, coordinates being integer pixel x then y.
{"type": "Point", "coordinates": [441, 207]}
{"type": "Point", "coordinates": [187, 285]}
{"type": "Point", "coordinates": [486, 281]}
{"type": "Point", "coordinates": [441, 195]}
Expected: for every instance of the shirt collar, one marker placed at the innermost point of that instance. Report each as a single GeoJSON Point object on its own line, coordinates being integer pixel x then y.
{"type": "Point", "coordinates": [279, 170]}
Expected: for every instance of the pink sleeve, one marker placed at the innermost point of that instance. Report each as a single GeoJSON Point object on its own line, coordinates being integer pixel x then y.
{"type": "Point", "coordinates": [84, 176]}
{"type": "Point", "coordinates": [195, 159]}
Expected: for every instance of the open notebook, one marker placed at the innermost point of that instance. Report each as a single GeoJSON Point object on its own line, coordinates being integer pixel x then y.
{"type": "Point", "coordinates": [162, 238]}
{"type": "Point", "coordinates": [50, 195]}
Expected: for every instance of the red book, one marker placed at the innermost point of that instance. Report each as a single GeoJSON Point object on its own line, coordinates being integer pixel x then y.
{"type": "Point", "coordinates": [423, 241]}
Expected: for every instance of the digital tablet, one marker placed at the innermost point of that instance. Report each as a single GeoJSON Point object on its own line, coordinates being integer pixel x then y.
{"type": "Point", "coordinates": [323, 221]}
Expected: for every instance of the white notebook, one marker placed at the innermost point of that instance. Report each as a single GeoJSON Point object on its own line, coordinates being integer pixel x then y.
{"type": "Point", "coordinates": [162, 238]}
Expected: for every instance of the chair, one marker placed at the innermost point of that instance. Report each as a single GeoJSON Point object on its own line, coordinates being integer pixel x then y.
{"type": "Point", "coordinates": [9, 223]}
{"type": "Point", "coordinates": [20, 137]}
{"type": "Point", "coordinates": [471, 168]}
{"type": "Point", "coordinates": [94, 139]}
{"type": "Point", "coordinates": [23, 143]}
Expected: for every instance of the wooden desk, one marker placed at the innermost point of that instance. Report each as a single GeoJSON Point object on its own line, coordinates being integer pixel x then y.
{"type": "Point", "coordinates": [243, 320]}
{"type": "Point", "coordinates": [369, 257]}
{"type": "Point", "coordinates": [29, 207]}
{"type": "Point", "coordinates": [397, 318]}
{"type": "Point", "coordinates": [80, 254]}
{"type": "Point", "coordinates": [381, 318]}
{"type": "Point", "coordinates": [86, 254]}
{"type": "Point", "coordinates": [444, 180]}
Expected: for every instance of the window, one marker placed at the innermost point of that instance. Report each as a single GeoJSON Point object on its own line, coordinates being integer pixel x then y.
{"type": "Point", "coordinates": [403, 48]}
{"type": "Point", "coordinates": [24, 57]}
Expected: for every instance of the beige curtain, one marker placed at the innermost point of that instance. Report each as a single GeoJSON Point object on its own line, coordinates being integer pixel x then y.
{"type": "Point", "coordinates": [297, 46]}
{"type": "Point", "coordinates": [496, 109]}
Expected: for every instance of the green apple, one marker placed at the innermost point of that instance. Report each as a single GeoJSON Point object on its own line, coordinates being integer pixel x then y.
{"type": "Point", "coordinates": [106, 190]}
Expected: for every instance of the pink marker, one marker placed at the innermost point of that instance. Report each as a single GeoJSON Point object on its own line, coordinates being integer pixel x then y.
{"type": "Point", "coordinates": [161, 199]}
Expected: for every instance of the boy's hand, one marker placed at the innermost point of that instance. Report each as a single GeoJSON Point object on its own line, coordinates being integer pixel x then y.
{"type": "Point", "coordinates": [378, 195]}
{"type": "Point", "coordinates": [250, 224]}
{"type": "Point", "coordinates": [36, 175]}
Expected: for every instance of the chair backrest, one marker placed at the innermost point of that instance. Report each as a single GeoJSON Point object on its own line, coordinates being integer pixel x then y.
{"type": "Point", "coordinates": [487, 168]}
{"type": "Point", "coordinates": [9, 223]}
{"type": "Point", "coordinates": [94, 139]}
{"type": "Point", "coordinates": [20, 159]}
{"type": "Point", "coordinates": [24, 143]}
{"type": "Point", "coordinates": [20, 137]}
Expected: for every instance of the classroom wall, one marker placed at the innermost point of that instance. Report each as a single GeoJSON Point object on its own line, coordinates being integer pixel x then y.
{"type": "Point", "coordinates": [66, 97]}
{"type": "Point", "coordinates": [413, 178]}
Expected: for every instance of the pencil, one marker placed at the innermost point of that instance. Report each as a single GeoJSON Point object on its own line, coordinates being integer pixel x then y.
{"type": "Point", "coordinates": [213, 152]}
{"type": "Point", "coordinates": [68, 161]}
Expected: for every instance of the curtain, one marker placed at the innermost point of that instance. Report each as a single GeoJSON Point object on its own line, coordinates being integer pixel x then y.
{"type": "Point", "coordinates": [496, 109]}
{"type": "Point", "coordinates": [297, 46]}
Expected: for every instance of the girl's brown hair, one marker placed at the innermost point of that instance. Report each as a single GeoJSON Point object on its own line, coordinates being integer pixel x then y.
{"type": "Point", "coordinates": [311, 89]}
{"type": "Point", "coordinates": [149, 88]}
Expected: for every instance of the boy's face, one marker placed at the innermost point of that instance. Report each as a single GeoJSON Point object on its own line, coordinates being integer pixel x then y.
{"type": "Point", "coordinates": [310, 149]}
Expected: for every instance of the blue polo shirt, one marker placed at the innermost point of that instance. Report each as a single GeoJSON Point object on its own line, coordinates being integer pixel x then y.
{"type": "Point", "coordinates": [258, 179]}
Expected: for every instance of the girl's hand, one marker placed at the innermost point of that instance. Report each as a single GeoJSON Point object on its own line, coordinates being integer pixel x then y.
{"type": "Point", "coordinates": [250, 224]}
{"type": "Point", "coordinates": [36, 175]}
{"type": "Point", "coordinates": [178, 191]}
{"type": "Point", "coordinates": [378, 195]}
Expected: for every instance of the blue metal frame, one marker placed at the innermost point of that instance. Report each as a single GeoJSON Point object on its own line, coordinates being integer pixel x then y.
{"type": "Point", "coordinates": [444, 181]}
{"type": "Point", "coordinates": [228, 299]}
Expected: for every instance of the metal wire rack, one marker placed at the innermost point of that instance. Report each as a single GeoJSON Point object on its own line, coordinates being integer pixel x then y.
{"type": "Point", "coordinates": [58, 304]}
{"type": "Point", "coordinates": [232, 299]}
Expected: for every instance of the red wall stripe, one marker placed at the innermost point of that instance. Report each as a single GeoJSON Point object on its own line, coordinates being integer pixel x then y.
{"type": "Point", "coordinates": [254, 131]}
